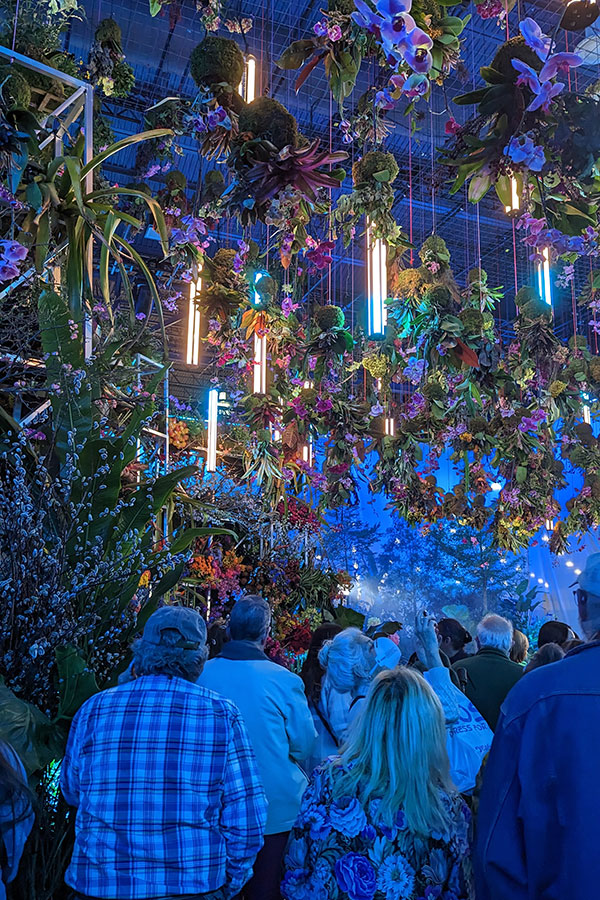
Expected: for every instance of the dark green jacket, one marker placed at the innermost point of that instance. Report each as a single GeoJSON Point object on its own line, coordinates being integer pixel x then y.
{"type": "Point", "coordinates": [490, 676]}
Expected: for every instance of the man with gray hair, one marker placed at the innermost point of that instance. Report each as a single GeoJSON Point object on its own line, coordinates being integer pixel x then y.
{"type": "Point", "coordinates": [537, 827]}
{"type": "Point", "coordinates": [168, 797]}
{"type": "Point", "coordinates": [275, 710]}
{"type": "Point", "coordinates": [490, 674]}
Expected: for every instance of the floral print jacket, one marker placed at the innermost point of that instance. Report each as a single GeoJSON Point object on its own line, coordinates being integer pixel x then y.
{"type": "Point", "coordinates": [340, 851]}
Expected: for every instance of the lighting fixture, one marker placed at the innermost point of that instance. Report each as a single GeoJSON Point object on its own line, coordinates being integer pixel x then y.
{"type": "Point", "coordinates": [308, 385]}
{"type": "Point", "coordinates": [256, 298]}
{"type": "Point", "coordinates": [376, 283]}
{"type": "Point", "coordinates": [247, 86]}
{"type": "Point", "coordinates": [587, 415]}
{"type": "Point", "coordinates": [495, 486]}
{"type": "Point", "coordinates": [549, 525]}
{"type": "Point", "coordinates": [213, 417]}
{"type": "Point", "coordinates": [260, 364]}
{"type": "Point", "coordinates": [569, 563]}
{"type": "Point", "coordinates": [514, 208]}
{"type": "Point", "coordinates": [390, 426]}
{"type": "Point", "coordinates": [307, 452]}
{"type": "Point", "coordinates": [543, 274]}
{"type": "Point", "coordinates": [193, 331]}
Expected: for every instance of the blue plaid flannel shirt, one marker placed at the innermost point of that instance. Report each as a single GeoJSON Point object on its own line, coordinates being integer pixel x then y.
{"type": "Point", "coordinates": [168, 796]}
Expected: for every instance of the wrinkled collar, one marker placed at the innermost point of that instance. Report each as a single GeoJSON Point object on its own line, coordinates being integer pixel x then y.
{"type": "Point", "coordinates": [241, 650]}
{"type": "Point", "coordinates": [492, 651]}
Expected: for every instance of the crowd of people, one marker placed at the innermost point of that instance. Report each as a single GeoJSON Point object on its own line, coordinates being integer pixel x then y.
{"type": "Point", "coordinates": [447, 775]}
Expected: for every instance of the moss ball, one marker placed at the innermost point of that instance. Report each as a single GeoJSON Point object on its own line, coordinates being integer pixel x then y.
{"type": "Point", "coordinates": [576, 367]}
{"type": "Point", "coordinates": [477, 425]}
{"type": "Point", "coordinates": [269, 119]}
{"type": "Point", "coordinates": [556, 388]}
{"type": "Point", "coordinates": [475, 275]}
{"type": "Point", "coordinates": [327, 317]}
{"type": "Point", "coordinates": [217, 60]}
{"type": "Point", "coordinates": [433, 390]}
{"type": "Point", "coordinates": [15, 90]}
{"type": "Point", "coordinates": [375, 163]}
{"type": "Point", "coordinates": [222, 262]}
{"type": "Point", "coordinates": [308, 396]}
{"type": "Point", "coordinates": [578, 342]}
{"type": "Point", "coordinates": [176, 180]}
{"type": "Point", "coordinates": [108, 32]}
{"type": "Point", "coordinates": [440, 297]}
{"type": "Point", "coordinates": [376, 365]}
{"type": "Point", "coordinates": [472, 319]}
{"type": "Point", "coordinates": [409, 283]}
{"type": "Point", "coordinates": [434, 247]}
{"type": "Point", "coordinates": [345, 7]}
{"type": "Point", "coordinates": [515, 48]}
{"type": "Point", "coordinates": [530, 304]}
{"type": "Point", "coordinates": [594, 368]}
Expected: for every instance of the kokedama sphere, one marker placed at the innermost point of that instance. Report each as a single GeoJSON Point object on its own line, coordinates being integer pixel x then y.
{"type": "Point", "coordinates": [530, 304]}
{"type": "Point", "coordinates": [217, 60]}
{"type": "Point", "coordinates": [372, 164]}
{"type": "Point", "coordinates": [328, 317]}
{"type": "Point", "coordinates": [269, 119]}
{"type": "Point", "coordinates": [108, 32]}
{"type": "Point", "coordinates": [515, 48]}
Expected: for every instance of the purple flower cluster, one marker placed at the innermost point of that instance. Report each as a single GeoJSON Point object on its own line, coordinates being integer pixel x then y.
{"type": "Point", "coordinates": [12, 253]}
{"type": "Point", "coordinates": [522, 151]}
{"type": "Point", "coordinates": [530, 423]}
{"type": "Point", "coordinates": [402, 40]}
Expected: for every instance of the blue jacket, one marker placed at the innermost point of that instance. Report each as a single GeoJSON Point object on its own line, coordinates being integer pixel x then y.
{"type": "Point", "coordinates": [537, 831]}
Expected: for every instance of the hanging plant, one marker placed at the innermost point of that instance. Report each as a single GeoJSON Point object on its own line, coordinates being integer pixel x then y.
{"type": "Point", "coordinates": [373, 196]}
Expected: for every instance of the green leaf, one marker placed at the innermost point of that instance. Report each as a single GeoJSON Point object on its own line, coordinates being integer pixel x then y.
{"type": "Point", "coordinates": [492, 76]}
{"type": "Point", "coordinates": [479, 186]}
{"type": "Point", "coordinates": [121, 145]}
{"type": "Point", "coordinates": [348, 617]}
{"type": "Point", "coordinates": [504, 190]}
{"type": "Point", "coordinates": [471, 97]}
{"type": "Point", "coordinates": [155, 7]}
{"type": "Point", "coordinates": [296, 54]}
{"type": "Point", "coordinates": [521, 474]}
{"type": "Point", "coordinates": [382, 177]}
{"type": "Point", "coordinates": [77, 682]}
{"type": "Point", "coordinates": [186, 538]}
{"type": "Point", "coordinates": [33, 195]}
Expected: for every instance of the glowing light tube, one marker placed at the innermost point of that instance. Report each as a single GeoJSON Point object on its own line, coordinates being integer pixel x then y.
{"type": "Point", "coordinates": [193, 329]}
{"type": "Point", "coordinates": [247, 86]}
{"type": "Point", "coordinates": [543, 273]}
{"type": "Point", "coordinates": [515, 200]}
{"type": "Point", "coordinates": [260, 365]}
{"type": "Point", "coordinates": [377, 286]}
{"type": "Point", "coordinates": [213, 418]}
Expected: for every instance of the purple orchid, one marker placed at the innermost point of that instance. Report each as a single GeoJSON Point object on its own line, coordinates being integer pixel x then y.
{"type": "Point", "coordinates": [417, 54]}
{"type": "Point", "coordinates": [527, 75]}
{"type": "Point", "coordinates": [522, 151]}
{"type": "Point", "coordinates": [334, 33]}
{"type": "Point", "coordinates": [559, 62]}
{"type": "Point", "coordinates": [320, 254]}
{"type": "Point", "coordinates": [384, 100]}
{"type": "Point", "coordinates": [545, 95]}
{"type": "Point", "coordinates": [535, 38]}
{"type": "Point", "coordinates": [366, 18]}
{"type": "Point", "coordinates": [13, 251]}
{"type": "Point", "coordinates": [416, 86]}
{"type": "Point", "coordinates": [8, 271]}
{"type": "Point", "coordinates": [288, 306]}
{"type": "Point", "coordinates": [320, 28]}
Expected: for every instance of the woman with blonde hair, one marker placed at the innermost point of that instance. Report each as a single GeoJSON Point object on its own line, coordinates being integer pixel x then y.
{"type": "Point", "coordinates": [383, 819]}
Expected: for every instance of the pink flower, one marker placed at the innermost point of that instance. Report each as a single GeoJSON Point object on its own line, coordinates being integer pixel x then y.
{"type": "Point", "coordinates": [452, 126]}
{"type": "Point", "coordinates": [334, 33]}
